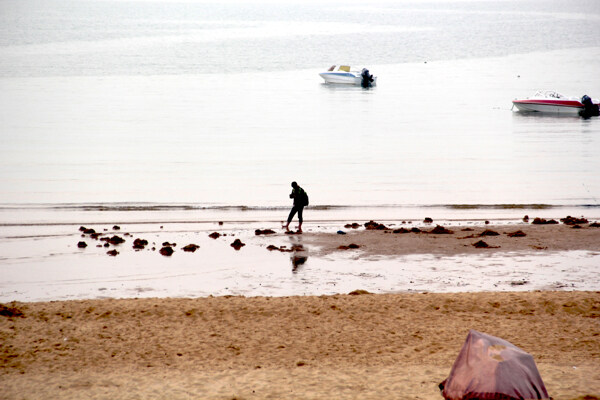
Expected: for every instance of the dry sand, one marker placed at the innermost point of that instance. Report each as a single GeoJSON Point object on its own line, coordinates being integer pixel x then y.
{"type": "Point", "coordinates": [330, 347]}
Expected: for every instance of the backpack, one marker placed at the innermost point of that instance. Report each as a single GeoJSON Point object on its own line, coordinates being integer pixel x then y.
{"type": "Point", "coordinates": [303, 198]}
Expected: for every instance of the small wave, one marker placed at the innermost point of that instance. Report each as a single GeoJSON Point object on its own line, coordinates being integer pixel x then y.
{"type": "Point", "coordinates": [141, 207]}
{"type": "Point", "coordinates": [516, 206]}
{"type": "Point", "coordinates": [501, 206]}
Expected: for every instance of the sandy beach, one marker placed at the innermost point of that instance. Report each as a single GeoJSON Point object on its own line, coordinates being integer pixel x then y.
{"type": "Point", "coordinates": [347, 346]}
{"type": "Point", "coordinates": [315, 347]}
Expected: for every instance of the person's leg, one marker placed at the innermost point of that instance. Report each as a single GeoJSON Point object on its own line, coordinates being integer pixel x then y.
{"type": "Point", "coordinates": [300, 209]}
{"type": "Point", "coordinates": [292, 213]}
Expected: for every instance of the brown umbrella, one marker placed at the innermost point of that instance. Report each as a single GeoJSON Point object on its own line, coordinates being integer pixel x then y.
{"type": "Point", "coordinates": [489, 368]}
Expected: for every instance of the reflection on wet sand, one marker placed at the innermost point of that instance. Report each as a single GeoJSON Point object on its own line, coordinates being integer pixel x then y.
{"type": "Point", "coordinates": [299, 254]}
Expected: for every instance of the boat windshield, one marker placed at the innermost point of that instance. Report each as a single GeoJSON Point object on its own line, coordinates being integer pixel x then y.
{"type": "Point", "coordinates": [553, 94]}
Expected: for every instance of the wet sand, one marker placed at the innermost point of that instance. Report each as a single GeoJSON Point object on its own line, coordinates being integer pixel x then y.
{"type": "Point", "coordinates": [49, 265]}
{"type": "Point", "coordinates": [521, 238]}
{"type": "Point", "coordinates": [315, 347]}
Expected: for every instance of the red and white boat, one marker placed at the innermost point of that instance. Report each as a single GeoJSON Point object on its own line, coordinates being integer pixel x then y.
{"type": "Point", "coordinates": [550, 101]}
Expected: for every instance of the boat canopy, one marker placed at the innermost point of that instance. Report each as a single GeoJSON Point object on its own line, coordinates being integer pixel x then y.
{"type": "Point", "coordinates": [340, 68]}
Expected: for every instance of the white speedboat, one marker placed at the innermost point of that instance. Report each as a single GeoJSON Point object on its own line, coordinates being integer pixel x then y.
{"type": "Point", "coordinates": [550, 101]}
{"type": "Point", "coordinates": [342, 74]}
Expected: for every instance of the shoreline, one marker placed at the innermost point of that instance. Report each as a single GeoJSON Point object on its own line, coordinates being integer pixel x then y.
{"type": "Point", "coordinates": [316, 347]}
{"type": "Point", "coordinates": [15, 215]}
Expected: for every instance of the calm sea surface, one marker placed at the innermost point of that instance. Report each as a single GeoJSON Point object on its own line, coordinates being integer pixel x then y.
{"type": "Point", "coordinates": [202, 104]}
{"type": "Point", "coordinates": [179, 111]}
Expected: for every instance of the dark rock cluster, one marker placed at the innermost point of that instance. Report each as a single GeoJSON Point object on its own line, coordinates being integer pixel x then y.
{"type": "Point", "coordinates": [237, 244]}
{"type": "Point", "coordinates": [489, 232]}
{"type": "Point", "coordinates": [350, 246]}
{"type": "Point", "coordinates": [372, 225]}
{"type": "Point", "coordinates": [542, 221]}
{"type": "Point", "coordinates": [573, 221]}
{"type": "Point", "coordinates": [140, 244]}
{"type": "Point", "coordinates": [518, 233]}
{"type": "Point", "coordinates": [190, 248]}
{"type": "Point", "coordinates": [86, 231]}
{"type": "Point", "coordinates": [440, 230]}
{"type": "Point", "coordinates": [114, 240]}
{"type": "Point", "coordinates": [166, 251]}
{"type": "Point", "coordinates": [483, 245]}
{"type": "Point", "coordinates": [258, 232]}
{"type": "Point", "coordinates": [568, 220]}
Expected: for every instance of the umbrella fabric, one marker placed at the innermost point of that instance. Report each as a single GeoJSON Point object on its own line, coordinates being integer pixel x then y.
{"type": "Point", "coordinates": [488, 367]}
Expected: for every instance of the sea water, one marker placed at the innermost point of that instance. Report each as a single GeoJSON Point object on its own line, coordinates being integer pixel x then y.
{"type": "Point", "coordinates": [185, 111]}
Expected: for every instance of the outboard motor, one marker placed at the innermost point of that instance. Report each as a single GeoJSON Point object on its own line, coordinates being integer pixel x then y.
{"type": "Point", "coordinates": [367, 78]}
{"type": "Point", "coordinates": [589, 108]}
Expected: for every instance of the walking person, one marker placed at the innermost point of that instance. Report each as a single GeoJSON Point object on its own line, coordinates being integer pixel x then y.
{"type": "Point", "coordinates": [300, 201]}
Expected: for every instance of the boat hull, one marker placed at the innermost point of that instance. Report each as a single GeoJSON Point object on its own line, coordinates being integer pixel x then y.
{"type": "Point", "coordinates": [548, 106]}
{"type": "Point", "coordinates": [346, 78]}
